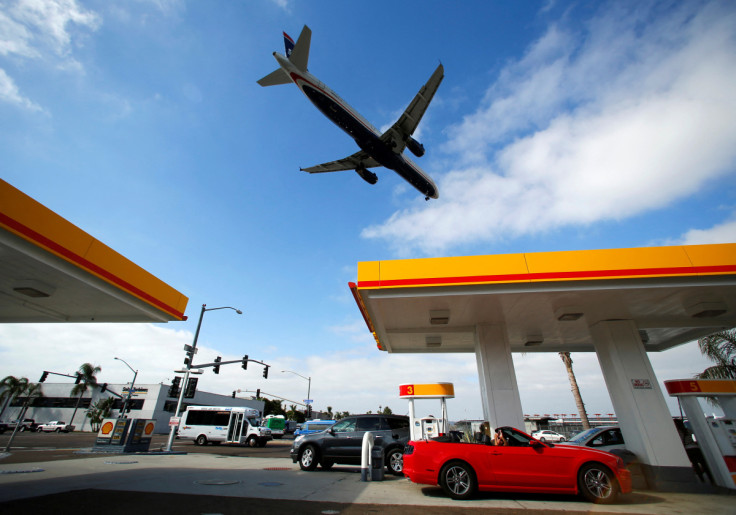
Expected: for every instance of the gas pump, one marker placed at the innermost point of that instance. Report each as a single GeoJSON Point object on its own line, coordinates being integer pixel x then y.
{"type": "Point", "coordinates": [716, 436]}
{"type": "Point", "coordinates": [429, 427]}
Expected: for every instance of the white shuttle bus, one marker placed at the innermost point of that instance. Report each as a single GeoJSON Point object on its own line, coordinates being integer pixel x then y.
{"type": "Point", "coordinates": [228, 424]}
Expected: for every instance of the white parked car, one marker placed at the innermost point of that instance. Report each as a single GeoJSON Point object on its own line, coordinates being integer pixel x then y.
{"type": "Point", "coordinates": [55, 425]}
{"type": "Point", "coordinates": [546, 435]}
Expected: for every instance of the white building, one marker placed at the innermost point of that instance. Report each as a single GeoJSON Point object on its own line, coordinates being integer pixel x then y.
{"type": "Point", "coordinates": [148, 401]}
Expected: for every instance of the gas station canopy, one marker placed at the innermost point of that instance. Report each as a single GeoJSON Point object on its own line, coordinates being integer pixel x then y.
{"type": "Point", "coordinates": [547, 301]}
{"type": "Point", "coordinates": [52, 271]}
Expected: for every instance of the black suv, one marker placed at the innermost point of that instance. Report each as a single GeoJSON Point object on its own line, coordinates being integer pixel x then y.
{"type": "Point", "coordinates": [342, 443]}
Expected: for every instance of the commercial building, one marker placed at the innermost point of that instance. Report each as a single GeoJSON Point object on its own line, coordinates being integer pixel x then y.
{"type": "Point", "coordinates": [148, 401]}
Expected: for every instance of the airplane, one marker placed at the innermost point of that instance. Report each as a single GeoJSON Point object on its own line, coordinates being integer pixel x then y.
{"type": "Point", "coordinates": [376, 148]}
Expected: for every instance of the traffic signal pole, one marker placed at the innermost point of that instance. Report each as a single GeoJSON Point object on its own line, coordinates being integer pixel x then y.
{"type": "Point", "coordinates": [170, 442]}
{"type": "Point", "coordinates": [188, 362]}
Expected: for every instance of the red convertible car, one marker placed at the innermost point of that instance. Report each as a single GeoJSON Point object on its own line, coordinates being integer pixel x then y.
{"type": "Point", "coordinates": [523, 465]}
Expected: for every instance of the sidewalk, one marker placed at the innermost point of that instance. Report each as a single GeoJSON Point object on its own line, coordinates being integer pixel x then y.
{"type": "Point", "coordinates": [203, 483]}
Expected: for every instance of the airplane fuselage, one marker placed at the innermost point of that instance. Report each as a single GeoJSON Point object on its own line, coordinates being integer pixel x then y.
{"type": "Point", "coordinates": [367, 137]}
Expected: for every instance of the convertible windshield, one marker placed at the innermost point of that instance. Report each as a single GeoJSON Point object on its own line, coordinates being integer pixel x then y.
{"type": "Point", "coordinates": [582, 436]}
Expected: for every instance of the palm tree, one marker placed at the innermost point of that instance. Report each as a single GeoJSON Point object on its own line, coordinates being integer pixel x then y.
{"type": "Point", "coordinates": [88, 377]}
{"type": "Point", "coordinates": [567, 360]}
{"type": "Point", "coordinates": [31, 391]}
{"type": "Point", "coordinates": [100, 411]}
{"type": "Point", "coordinates": [11, 387]}
{"type": "Point", "coordinates": [720, 348]}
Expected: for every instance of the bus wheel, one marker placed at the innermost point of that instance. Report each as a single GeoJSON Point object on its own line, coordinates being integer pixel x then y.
{"type": "Point", "coordinates": [252, 441]}
{"type": "Point", "coordinates": [201, 440]}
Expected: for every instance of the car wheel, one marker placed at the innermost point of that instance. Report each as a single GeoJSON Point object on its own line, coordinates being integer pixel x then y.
{"type": "Point", "coordinates": [327, 464]}
{"type": "Point", "coordinates": [457, 479]}
{"type": "Point", "coordinates": [201, 440]}
{"type": "Point", "coordinates": [395, 461]}
{"type": "Point", "coordinates": [252, 441]}
{"type": "Point", "coordinates": [58, 430]}
{"type": "Point", "coordinates": [543, 440]}
{"type": "Point", "coordinates": [597, 484]}
{"type": "Point", "coordinates": [308, 458]}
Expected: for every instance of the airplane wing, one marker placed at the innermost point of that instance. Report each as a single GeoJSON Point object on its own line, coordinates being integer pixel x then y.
{"type": "Point", "coordinates": [349, 163]}
{"type": "Point", "coordinates": [407, 123]}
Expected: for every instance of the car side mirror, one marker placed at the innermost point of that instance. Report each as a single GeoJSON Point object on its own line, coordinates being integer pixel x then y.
{"type": "Point", "coordinates": [332, 431]}
{"type": "Point", "coordinates": [536, 443]}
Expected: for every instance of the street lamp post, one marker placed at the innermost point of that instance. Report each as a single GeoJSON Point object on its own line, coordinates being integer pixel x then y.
{"type": "Point", "coordinates": [309, 388]}
{"type": "Point", "coordinates": [189, 367]}
{"type": "Point", "coordinates": [130, 390]}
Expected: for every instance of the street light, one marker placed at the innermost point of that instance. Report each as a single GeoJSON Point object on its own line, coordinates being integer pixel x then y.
{"type": "Point", "coordinates": [130, 390]}
{"type": "Point", "coordinates": [309, 388]}
{"type": "Point", "coordinates": [189, 367]}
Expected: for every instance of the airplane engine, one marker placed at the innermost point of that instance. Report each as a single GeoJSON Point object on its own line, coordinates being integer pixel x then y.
{"type": "Point", "coordinates": [415, 147]}
{"type": "Point", "coordinates": [367, 175]}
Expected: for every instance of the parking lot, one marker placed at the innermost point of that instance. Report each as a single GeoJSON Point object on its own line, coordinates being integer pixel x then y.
{"type": "Point", "coordinates": [35, 447]}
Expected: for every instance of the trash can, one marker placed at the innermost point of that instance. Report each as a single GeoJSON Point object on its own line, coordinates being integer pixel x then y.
{"type": "Point", "coordinates": [377, 463]}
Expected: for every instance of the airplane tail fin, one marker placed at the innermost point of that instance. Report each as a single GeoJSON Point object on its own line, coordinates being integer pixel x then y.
{"type": "Point", "coordinates": [297, 53]}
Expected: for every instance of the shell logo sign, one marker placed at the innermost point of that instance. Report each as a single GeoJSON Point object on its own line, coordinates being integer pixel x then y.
{"type": "Point", "coordinates": [107, 428]}
{"type": "Point", "coordinates": [149, 428]}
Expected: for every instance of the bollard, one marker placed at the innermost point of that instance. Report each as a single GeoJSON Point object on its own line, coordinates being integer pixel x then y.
{"type": "Point", "coordinates": [365, 456]}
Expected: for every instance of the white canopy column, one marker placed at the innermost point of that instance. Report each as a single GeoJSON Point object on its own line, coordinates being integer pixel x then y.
{"type": "Point", "coordinates": [642, 412]}
{"type": "Point", "coordinates": [497, 377]}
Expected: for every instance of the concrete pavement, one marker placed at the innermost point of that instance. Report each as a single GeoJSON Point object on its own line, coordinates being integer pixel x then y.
{"type": "Point", "coordinates": [208, 483]}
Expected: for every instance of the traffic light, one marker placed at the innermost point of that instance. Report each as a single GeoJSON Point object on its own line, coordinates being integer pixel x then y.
{"type": "Point", "coordinates": [245, 362]}
{"type": "Point", "coordinates": [174, 388]}
{"type": "Point", "coordinates": [190, 355]}
{"type": "Point", "coordinates": [258, 393]}
{"type": "Point", "coordinates": [216, 368]}
{"type": "Point", "coordinates": [103, 388]}
{"type": "Point", "coordinates": [233, 394]}
{"type": "Point", "coordinates": [43, 376]}
{"type": "Point", "coordinates": [79, 378]}
{"type": "Point", "coordinates": [265, 372]}
{"type": "Point", "coordinates": [191, 388]}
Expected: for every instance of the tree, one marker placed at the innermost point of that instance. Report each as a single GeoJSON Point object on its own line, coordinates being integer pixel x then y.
{"type": "Point", "coordinates": [11, 387]}
{"type": "Point", "coordinates": [101, 410]}
{"type": "Point", "coordinates": [720, 348]}
{"type": "Point", "coordinates": [329, 412]}
{"type": "Point", "coordinates": [272, 407]}
{"type": "Point", "coordinates": [567, 360]}
{"type": "Point", "coordinates": [31, 391]}
{"type": "Point", "coordinates": [294, 414]}
{"type": "Point", "coordinates": [387, 411]}
{"type": "Point", "coordinates": [88, 374]}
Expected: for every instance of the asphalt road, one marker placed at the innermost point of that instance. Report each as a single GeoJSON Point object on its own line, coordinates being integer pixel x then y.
{"type": "Point", "coordinates": [34, 447]}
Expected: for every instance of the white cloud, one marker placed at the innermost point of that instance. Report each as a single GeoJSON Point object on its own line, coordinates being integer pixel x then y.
{"type": "Point", "coordinates": [50, 24]}
{"type": "Point", "coordinates": [283, 4]}
{"type": "Point", "coordinates": [633, 114]}
{"type": "Point", "coordinates": [721, 233]}
{"type": "Point", "coordinates": [9, 93]}
{"type": "Point", "coordinates": [44, 30]}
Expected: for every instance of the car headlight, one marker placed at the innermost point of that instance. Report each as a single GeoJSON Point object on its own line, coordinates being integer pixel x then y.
{"type": "Point", "coordinates": [298, 439]}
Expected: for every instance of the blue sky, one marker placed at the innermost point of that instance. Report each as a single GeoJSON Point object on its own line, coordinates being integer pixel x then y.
{"type": "Point", "coordinates": [558, 126]}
